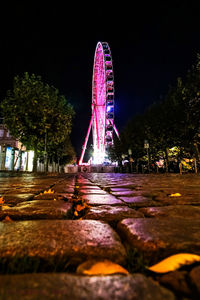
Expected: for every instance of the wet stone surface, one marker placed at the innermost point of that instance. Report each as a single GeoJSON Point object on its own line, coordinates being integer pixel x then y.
{"type": "Point", "coordinates": [67, 286]}
{"type": "Point", "coordinates": [132, 220]}
{"type": "Point", "coordinates": [14, 199]}
{"type": "Point", "coordinates": [139, 201]}
{"type": "Point", "coordinates": [102, 199]}
{"type": "Point", "coordinates": [59, 242]}
{"type": "Point", "coordinates": [112, 214]}
{"type": "Point", "coordinates": [160, 238]}
{"type": "Point", "coordinates": [181, 211]}
{"type": "Point", "coordinates": [124, 193]}
{"type": "Point", "coordinates": [38, 209]}
{"type": "Point", "coordinates": [92, 192]}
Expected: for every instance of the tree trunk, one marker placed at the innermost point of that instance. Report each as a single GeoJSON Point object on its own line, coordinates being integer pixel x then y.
{"type": "Point", "coordinates": [167, 159]}
{"type": "Point", "coordinates": [35, 159]}
{"type": "Point", "coordinates": [196, 151]}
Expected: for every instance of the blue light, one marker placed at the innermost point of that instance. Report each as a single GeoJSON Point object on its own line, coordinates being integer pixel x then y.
{"type": "Point", "coordinates": [109, 109]}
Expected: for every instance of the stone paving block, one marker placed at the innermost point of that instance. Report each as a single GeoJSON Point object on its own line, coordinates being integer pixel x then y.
{"type": "Point", "coordinates": [139, 201]}
{"type": "Point", "coordinates": [195, 278]}
{"type": "Point", "coordinates": [58, 242]}
{"type": "Point", "coordinates": [176, 281]}
{"type": "Point", "coordinates": [67, 286]}
{"type": "Point", "coordinates": [158, 238]}
{"type": "Point", "coordinates": [103, 199]}
{"type": "Point", "coordinates": [182, 211]}
{"type": "Point", "coordinates": [125, 193]}
{"type": "Point", "coordinates": [120, 189]}
{"type": "Point", "coordinates": [63, 188]}
{"type": "Point", "coordinates": [38, 209]}
{"type": "Point", "coordinates": [91, 187]}
{"type": "Point", "coordinates": [183, 200]}
{"type": "Point", "coordinates": [111, 214]}
{"type": "Point", "coordinates": [25, 190]}
{"type": "Point", "coordinates": [47, 196]}
{"type": "Point", "coordinates": [17, 198]}
{"type": "Point", "coordinates": [92, 192]}
{"type": "Point", "coordinates": [83, 181]}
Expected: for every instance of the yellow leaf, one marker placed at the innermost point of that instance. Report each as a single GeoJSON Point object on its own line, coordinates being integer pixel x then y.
{"type": "Point", "coordinates": [76, 213]}
{"type": "Point", "coordinates": [105, 267]}
{"type": "Point", "coordinates": [174, 262]}
{"type": "Point", "coordinates": [49, 192]}
{"type": "Point", "coordinates": [5, 207]}
{"type": "Point", "coordinates": [79, 207]}
{"type": "Point", "coordinates": [77, 186]}
{"type": "Point", "coordinates": [175, 195]}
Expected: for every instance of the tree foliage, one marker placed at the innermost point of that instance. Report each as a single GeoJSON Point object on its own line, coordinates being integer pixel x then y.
{"type": "Point", "coordinates": [173, 122]}
{"type": "Point", "coordinates": [36, 114]}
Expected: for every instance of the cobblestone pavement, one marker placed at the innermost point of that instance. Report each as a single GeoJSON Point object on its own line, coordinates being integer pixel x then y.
{"type": "Point", "coordinates": [53, 229]}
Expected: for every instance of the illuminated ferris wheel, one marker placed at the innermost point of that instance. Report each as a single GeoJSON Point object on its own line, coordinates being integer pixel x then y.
{"type": "Point", "coordinates": [102, 119]}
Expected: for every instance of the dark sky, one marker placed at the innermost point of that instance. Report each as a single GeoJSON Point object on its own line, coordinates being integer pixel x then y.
{"type": "Point", "coordinates": [151, 44]}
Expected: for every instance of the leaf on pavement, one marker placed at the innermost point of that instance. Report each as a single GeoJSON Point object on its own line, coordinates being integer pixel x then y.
{"type": "Point", "coordinates": [174, 262]}
{"type": "Point", "coordinates": [5, 207]}
{"type": "Point", "coordinates": [105, 267]}
{"type": "Point", "coordinates": [175, 195]}
{"type": "Point", "coordinates": [2, 200]}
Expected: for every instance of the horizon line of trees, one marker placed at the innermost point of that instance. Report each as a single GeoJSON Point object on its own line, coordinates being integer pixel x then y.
{"type": "Point", "coordinates": [40, 118]}
{"type": "Point", "coordinates": [174, 122]}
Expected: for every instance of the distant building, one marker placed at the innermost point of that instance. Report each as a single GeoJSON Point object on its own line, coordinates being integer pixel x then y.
{"type": "Point", "coordinates": [7, 140]}
{"type": "Point", "coordinates": [13, 156]}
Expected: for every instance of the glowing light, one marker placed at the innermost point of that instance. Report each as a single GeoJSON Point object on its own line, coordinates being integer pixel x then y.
{"type": "Point", "coordinates": [30, 160]}
{"type": "Point", "coordinates": [102, 119]}
{"type": "Point", "coordinates": [110, 109]}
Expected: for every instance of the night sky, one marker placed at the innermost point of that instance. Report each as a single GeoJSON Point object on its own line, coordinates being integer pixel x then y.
{"type": "Point", "coordinates": [152, 44]}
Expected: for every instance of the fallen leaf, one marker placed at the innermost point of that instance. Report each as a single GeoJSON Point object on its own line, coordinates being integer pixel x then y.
{"type": "Point", "coordinates": [175, 195]}
{"type": "Point", "coordinates": [49, 192]}
{"type": "Point", "coordinates": [79, 207]}
{"type": "Point", "coordinates": [105, 267]}
{"type": "Point", "coordinates": [76, 213]}
{"type": "Point", "coordinates": [174, 262]}
{"type": "Point", "coordinates": [2, 200]}
{"type": "Point", "coordinates": [5, 207]}
{"type": "Point", "coordinates": [7, 219]}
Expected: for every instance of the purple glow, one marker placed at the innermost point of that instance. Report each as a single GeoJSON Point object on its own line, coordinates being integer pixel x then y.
{"type": "Point", "coordinates": [102, 119]}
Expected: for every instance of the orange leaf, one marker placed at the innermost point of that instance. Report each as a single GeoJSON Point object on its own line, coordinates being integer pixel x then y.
{"type": "Point", "coordinates": [2, 200]}
{"type": "Point", "coordinates": [174, 262]}
{"type": "Point", "coordinates": [105, 267]}
{"type": "Point", "coordinates": [79, 207]}
{"type": "Point", "coordinates": [49, 192]}
{"type": "Point", "coordinates": [7, 219]}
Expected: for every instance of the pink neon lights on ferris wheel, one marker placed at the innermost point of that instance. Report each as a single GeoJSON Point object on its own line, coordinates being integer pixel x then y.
{"type": "Point", "coordinates": [102, 119]}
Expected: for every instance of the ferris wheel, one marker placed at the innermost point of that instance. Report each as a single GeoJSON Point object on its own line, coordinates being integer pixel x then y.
{"type": "Point", "coordinates": [102, 119]}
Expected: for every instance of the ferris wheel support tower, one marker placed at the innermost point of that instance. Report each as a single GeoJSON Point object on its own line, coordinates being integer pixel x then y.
{"type": "Point", "coordinates": [102, 119]}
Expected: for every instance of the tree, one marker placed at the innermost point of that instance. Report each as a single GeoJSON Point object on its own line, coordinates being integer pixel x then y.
{"type": "Point", "coordinates": [36, 114]}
